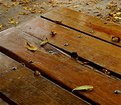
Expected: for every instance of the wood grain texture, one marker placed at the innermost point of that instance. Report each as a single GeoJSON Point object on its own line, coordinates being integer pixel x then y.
{"type": "Point", "coordinates": [24, 88]}
{"type": "Point", "coordinates": [62, 69]}
{"type": "Point", "coordinates": [88, 24]}
{"type": "Point", "coordinates": [92, 49]}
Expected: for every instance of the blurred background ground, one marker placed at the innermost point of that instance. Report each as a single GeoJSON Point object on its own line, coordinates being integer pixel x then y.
{"type": "Point", "coordinates": [15, 12]}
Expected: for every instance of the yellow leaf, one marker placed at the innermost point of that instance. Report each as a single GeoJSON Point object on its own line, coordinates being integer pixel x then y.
{"type": "Point", "coordinates": [118, 18]}
{"type": "Point", "coordinates": [23, 13]}
{"type": "Point", "coordinates": [1, 26]}
{"type": "Point", "coordinates": [30, 47]}
{"type": "Point", "coordinates": [83, 88]}
{"type": "Point", "coordinates": [33, 11]}
{"type": "Point", "coordinates": [13, 21]}
{"type": "Point", "coordinates": [44, 42]}
{"type": "Point", "coordinates": [27, 8]}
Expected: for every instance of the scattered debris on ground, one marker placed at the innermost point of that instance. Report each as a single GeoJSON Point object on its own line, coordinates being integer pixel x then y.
{"type": "Point", "coordinates": [14, 12]}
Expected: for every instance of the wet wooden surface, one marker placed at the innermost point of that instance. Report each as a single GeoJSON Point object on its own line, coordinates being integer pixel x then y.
{"type": "Point", "coordinates": [57, 64]}
{"type": "Point", "coordinates": [25, 88]}
{"type": "Point", "coordinates": [90, 48]}
{"type": "Point", "coordinates": [86, 24]}
{"type": "Point", "coordinates": [61, 68]}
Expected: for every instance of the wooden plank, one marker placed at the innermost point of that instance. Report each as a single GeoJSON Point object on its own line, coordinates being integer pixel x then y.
{"type": "Point", "coordinates": [84, 23]}
{"type": "Point", "coordinates": [2, 102]}
{"type": "Point", "coordinates": [62, 69]}
{"type": "Point", "coordinates": [87, 47]}
{"type": "Point", "coordinates": [24, 88]}
{"type": "Point", "coordinates": [9, 64]}
{"type": "Point", "coordinates": [6, 31]}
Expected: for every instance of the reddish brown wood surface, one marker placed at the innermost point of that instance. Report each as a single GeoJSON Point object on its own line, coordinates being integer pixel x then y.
{"type": "Point", "coordinates": [64, 70]}
{"type": "Point", "coordinates": [88, 24]}
{"type": "Point", "coordinates": [92, 49]}
{"type": "Point", "coordinates": [24, 88]}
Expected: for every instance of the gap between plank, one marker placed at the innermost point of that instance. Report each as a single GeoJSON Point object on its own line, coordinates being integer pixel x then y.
{"type": "Point", "coordinates": [32, 67]}
{"type": "Point", "coordinates": [7, 100]}
{"type": "Point", "coordinates": [79, 31]}
{"type": "Point", "coordinates": [81, 59]}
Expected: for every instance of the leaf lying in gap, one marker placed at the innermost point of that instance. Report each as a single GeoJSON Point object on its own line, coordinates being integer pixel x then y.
{"type": "Point", "coordinates": [44, 42]}
{"type": "Point", "coordinates": [84, 88]}
{"type": "Point", "coordinates": [30, 47]}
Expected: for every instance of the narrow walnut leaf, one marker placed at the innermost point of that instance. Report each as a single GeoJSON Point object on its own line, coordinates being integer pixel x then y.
{"type": "Point", "coordinates": [30, 47]}
{"type": "Point", "coordinates": [44, 42]}
{"type": "Point", "coordinates": [83, 88]}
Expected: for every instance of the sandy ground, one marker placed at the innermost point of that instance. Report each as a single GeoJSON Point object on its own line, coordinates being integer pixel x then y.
{"type": "Point", "coordinates": [15, 12]}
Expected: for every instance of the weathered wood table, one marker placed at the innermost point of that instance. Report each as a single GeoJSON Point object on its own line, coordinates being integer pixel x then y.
{"type": "Point", "coordinates": [42, 60]}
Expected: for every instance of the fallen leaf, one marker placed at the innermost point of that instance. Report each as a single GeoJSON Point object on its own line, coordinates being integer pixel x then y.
{"type": "Point", "coordinates": [15, 4]}
{"type": "Point", "coordinates": [39, 11]}
{"type": "Point", "coordinates": [1, 26]}
{"type": "Point", "coordinates": [118, 14]}
{"type": "Point", "coordinates": [30, 47]}
{"type": "Point", "coordinates": [33, 11]}
{"type": "Point", "coordinates": [12, 21]}
{"type": "Point", "coordinates": [115, 16]}
{"type": "Point", "coordinates": [23, 13]}
{"type": "Point", "coordinates": [83, 88]}
{"type": "Point", "coordinates": [118, 18]}
{"type": "Point", "coordinates": [44, 42]}
{"type": "Point", "coordinates": [27, 8]}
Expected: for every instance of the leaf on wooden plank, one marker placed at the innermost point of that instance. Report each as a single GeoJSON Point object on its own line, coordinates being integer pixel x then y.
{"type": "Point", "coordinates": [44, 42]}
{"type": "Point", "coordinates": [83, 88]}
{"type": "Point", "coordinates": [30, 47]}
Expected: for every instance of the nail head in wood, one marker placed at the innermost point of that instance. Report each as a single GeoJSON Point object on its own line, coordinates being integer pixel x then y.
{"type": "Point", "coordinates": [115, 39]}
